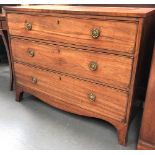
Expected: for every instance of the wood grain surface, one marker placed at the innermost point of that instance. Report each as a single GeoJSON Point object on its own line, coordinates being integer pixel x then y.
{"type": "Point", "coordinates": [111, 69]}
{"type": "Point", "coordinates": [63, 48]}
{"type": "Point", "coordinates": [91, 10]}
{"type": "Point", "coordinates": [114, 35]}
{"type": "Point", "coordinates": [109, 102]}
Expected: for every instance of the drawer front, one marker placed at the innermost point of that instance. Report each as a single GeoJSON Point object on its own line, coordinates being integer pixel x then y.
{"type": "Point", "coordinates": [100, 67]}
{"type": "Point", "coordinates": [85, 95]}
{"type": "Point", "coordinates": [107, 34]}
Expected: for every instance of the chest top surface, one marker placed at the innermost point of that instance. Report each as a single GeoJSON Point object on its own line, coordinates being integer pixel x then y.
{"type": "Point", "coordinates": [91, 10]}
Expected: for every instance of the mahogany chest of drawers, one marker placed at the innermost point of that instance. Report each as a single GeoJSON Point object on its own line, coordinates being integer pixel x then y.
{"type": "Point", "coordinates": [90, 61]}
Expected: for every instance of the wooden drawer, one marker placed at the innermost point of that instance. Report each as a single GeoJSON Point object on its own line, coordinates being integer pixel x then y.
{"type": "Point", "coordinates": [111, 69]}
{"type": "Point", "coordinates": [109, 102]}
{"type": "Point", "coordinates": [119, 36]}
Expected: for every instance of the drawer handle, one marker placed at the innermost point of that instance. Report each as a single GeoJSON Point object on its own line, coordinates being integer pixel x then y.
{"type": "Point", "coordinates": [95, 33]}
{"type": "Point", "coordinates": [92, 66]}
{"type": "Point", "coordinates": [28, 26]}
{"type": "Point", "coordinates": [34, 80]}
{"type": "Point", "coordinates": [92, 97]}
{"type": "Point", "coordinates": [31, 52]}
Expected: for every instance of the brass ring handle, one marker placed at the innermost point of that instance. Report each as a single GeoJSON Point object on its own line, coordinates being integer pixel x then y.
{"type": "Point", "coordinates": [95, 33]}
{"type": "Point", "coordinates": [34, 80]}
{"type": "Point", "coordinates": [93, 66]}
{"type": "Point", "coordinates": [92, 97]}
{"type": "Point", "coordinates": [28, 26]}
{"type": "Point", "coordinates": [31, 52]}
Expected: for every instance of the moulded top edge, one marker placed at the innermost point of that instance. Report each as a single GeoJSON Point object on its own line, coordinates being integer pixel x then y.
{"type": "Point", "coordinates": [91, 10]}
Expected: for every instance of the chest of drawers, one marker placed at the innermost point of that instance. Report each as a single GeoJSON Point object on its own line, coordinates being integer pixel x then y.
{"type": "Point", "coordinates": [90, 61]}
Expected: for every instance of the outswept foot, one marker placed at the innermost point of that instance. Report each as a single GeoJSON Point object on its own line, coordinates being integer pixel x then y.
{"type": "Point", "coordinates": [122, 134]}
{"type": "Point", "coordinates": [19, 93]}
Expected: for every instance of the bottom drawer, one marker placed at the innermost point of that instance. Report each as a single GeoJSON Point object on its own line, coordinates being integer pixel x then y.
{"type": "Point", "coordinates": [79, 94]}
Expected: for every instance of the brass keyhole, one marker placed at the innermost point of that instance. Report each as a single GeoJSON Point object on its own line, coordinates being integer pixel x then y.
{"type": "Point", "coordinates": [58, 22]}
{"type": "Point", "coordinates": [58, 50]}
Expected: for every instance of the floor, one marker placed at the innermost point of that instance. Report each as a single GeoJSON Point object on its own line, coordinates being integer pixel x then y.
{"type": "Point", "coordinates": [33, 124]}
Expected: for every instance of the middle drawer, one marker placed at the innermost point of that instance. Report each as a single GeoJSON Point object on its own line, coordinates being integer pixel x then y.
{"type": "Point", "coordinates": [106, 68]}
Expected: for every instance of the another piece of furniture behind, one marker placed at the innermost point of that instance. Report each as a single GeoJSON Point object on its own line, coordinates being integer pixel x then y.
{"type": "Point", "coordinates": [3, 33]}
{"type": "Point", "coordinates": [147, 133]}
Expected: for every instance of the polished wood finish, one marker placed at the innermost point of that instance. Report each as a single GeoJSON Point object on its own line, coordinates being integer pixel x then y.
{"type": "Point", "coordinates": [57, 59]}
{"type": "Point", "coordinates": [147, 132]}
{"type": "Point", "coordinates": [75, 62]}
{"type": "Point", "coordinates": [77, 31]}
{"type": "Point", "coordinates": [3, 33]}
{"type": "Point", "coordinates": [66, 90]}
{"type": "Point", "coordinates": [82, 10]}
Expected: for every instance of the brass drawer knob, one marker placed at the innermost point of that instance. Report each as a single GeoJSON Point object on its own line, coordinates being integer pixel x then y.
{"type": "Point", "coordinates": [92, 97]}
{"type": "Point", "coordinates": [34, 80]}
{"type": "Point", "coordinates": [31, 52]}
{"type": "Point", "coordinates": [28, 26]}
{"type": "Point", "coordinates": [95, 33]}
{"type": "Point", "coordinates": [92, 66]}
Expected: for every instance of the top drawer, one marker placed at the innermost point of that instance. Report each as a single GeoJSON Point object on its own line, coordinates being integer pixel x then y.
{"type": "Point", "coordinates": [119, 36]}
